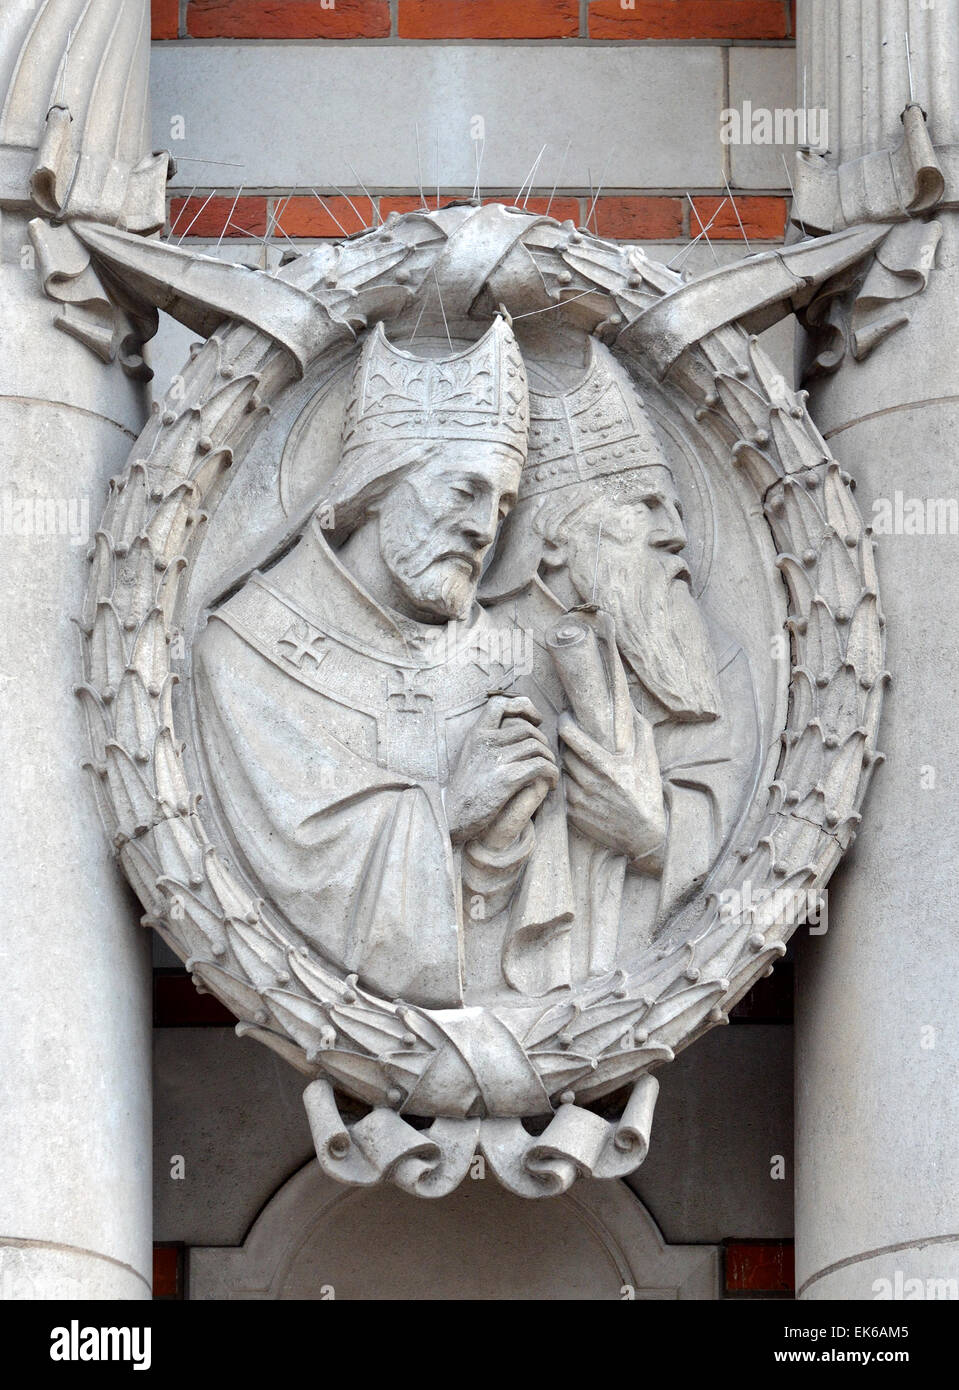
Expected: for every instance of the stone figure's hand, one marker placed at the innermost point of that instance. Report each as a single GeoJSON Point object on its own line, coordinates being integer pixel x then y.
{"type": "Point", "coordinates": [505, 769]}
{"type": "Point", "coordinates": [616, 799]}
{"type": "Point", "coordinates": [516, 815]}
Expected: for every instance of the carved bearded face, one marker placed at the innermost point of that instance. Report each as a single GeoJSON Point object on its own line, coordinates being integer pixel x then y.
{"type": "Point", "coordinates": [629, 544]}
{"type": "Point", "coordinates": [437, 524]}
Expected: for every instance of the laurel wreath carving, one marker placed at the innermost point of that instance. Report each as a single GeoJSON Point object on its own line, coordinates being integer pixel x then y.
{"type": "Point", "coordinates": [332, 1029]}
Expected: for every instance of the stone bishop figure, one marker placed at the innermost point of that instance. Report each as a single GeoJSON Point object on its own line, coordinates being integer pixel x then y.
{"type": "Point", "coordinates": [376, 767]}
{"type": "Point", "coordinates": [649, 802]}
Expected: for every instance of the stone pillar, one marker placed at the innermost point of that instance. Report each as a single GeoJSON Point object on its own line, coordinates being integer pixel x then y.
{"type": "Point", "coordinates": [877, 1045]}
{"type": "Point", "coordinates": [75, 1018]}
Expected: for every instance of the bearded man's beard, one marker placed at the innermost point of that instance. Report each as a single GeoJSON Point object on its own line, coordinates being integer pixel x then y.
{"type": "Point", "coordinates": [446, 588]}
{"type": "Point", "coordinates": [450, 591]}
{"type": "Point", "coordinates": [661, 633]}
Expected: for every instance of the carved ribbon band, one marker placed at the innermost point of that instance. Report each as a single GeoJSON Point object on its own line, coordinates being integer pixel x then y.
{"type": "Point", "coordinates": [432, 1162]}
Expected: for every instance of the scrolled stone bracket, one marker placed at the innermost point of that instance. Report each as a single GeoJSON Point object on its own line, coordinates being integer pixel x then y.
{"type": "Point", "coordinates": [861, 305]}
{"type": "Point", "coordinates": [431, 1162]}
{"type": "Point", "coordinates": [72, 153]}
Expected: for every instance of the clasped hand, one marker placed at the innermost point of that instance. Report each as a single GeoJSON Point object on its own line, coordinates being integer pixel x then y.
{"type": "Point", "coordinates": [616, 799]}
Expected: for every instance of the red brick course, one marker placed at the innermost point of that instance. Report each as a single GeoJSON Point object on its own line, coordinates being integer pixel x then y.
{"type": "Point", "coordinates": [630, 217]}
{"type": "Point", "coordinates": [306, 216]}
{"type": "Point", "coordinates": [249, 215]}
{"type": "Point", "coordinates": [563, 209]}
{"type": "Point", "coordinates": [639, 218]}
{"type": "Point", "coordinates": [763, 218]}
{"type": "Point", "coordinates": [165, 15]}
{"type": "Point", "coordinates": [761, 1266]}
{"type": "Point", "coordinates": [166, 1272]}
{"type": "Point", "coordinates": [488, 19]}
{"type": "Point", "coordinates": [664, 20]}
{"type": "Point", "coordinates": [403, 202]}
{"type": "Point", "coordinates": [689, 19]}
{"type": "Point", "coordinates": [287, 19]}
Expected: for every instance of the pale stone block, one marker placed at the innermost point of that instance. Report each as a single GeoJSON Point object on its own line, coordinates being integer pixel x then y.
{"type": "Point", "coordinates": [765, 78]}
{"type": "Point", "coordinates": [297, 115]}
{"type": "Point", "coordinates": [233, 1111]}
{"type": "Point", "coordinates": [724, 1112]}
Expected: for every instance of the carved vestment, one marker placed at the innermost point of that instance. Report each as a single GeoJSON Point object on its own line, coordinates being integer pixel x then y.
{"type": "Point", "coordinates": [330, 728]}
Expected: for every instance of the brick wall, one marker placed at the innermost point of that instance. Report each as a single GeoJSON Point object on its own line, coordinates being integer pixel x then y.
{"type": "Point", "coordinates": [668, 20]}
{"type": "Point", "coordinates": [744, 36]}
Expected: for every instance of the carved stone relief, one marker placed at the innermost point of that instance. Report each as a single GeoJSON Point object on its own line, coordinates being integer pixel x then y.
{"type": "Point", "coordinates": [483, 660]}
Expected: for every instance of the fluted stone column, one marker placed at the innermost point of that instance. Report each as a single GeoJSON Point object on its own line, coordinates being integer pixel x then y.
{"type": "Point", "coordinates": [75, 1098]}
{"type": "Point", "coordinates": [877, 1055]}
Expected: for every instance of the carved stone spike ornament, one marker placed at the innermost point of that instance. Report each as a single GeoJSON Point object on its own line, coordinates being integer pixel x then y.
{"type": "Point", "coordinates": [483, 660]}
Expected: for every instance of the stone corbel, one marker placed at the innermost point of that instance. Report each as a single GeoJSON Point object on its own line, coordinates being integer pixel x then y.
{"type": "Point", "coordinates": [108, 317]}
{"type": "Point", "coordinates": [71, 153]}
{"type": "Point", "coordinates": [71, 186]}
{"type": "Point", "coordinates": [885, 186]}
{"type": "Point", "coordinates": [855, 310]}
